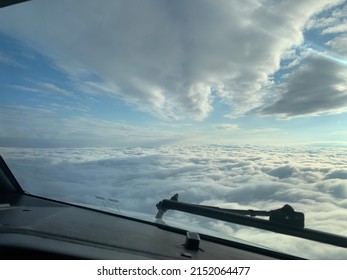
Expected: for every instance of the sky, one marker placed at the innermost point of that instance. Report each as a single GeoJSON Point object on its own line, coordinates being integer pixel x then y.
{"type": "Point", "coordinates": [228, 104]}
{"type": "Point", "coordinates": [149, 73]}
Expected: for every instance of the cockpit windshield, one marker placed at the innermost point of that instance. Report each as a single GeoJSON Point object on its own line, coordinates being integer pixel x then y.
{"type": "Point", "coordinates": [117, 105]}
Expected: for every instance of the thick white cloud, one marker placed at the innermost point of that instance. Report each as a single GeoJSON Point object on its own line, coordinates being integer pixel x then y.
{"type": "Point", "coordinates": [165, 57]}
{"type": "Point", "coordinates": [312, 180]}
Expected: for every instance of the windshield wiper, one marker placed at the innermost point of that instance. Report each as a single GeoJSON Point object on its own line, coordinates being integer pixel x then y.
{"type": "Point", "coordinates": [284, 220]}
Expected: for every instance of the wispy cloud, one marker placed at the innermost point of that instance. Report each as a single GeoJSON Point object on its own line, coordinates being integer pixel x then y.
{"type": "Point", "coordinates": [9, 60]}
{"type": "Point", "coordinates": [341, 28]}
{"type": "Point", "coordinates": [25, 88]}
{"type": "Point", "coordinates": [226, 126]}
{"type": "Point", "coordinates": [44, 88]}
{"type": "Point", "coordinates": [52, 88]}
{"type": "Point", "coordinates": [330, 21]}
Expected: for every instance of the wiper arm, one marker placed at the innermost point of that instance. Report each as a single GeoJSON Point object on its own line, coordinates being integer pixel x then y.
{"type": "Point", "coordinates": [284, 220]}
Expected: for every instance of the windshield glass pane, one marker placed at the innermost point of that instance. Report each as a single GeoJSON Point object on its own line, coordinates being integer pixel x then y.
{"type": "Point", "coordinates": [120, 104]}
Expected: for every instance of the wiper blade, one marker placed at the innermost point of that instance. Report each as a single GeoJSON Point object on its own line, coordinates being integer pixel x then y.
{"type": "Point", "coordinates": [284, 220]}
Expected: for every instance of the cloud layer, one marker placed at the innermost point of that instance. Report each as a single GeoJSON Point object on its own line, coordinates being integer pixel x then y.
{"type": "Point", "coordinates": [312, 180]}
{"type": "Point", "coordinates": [172, 58]}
